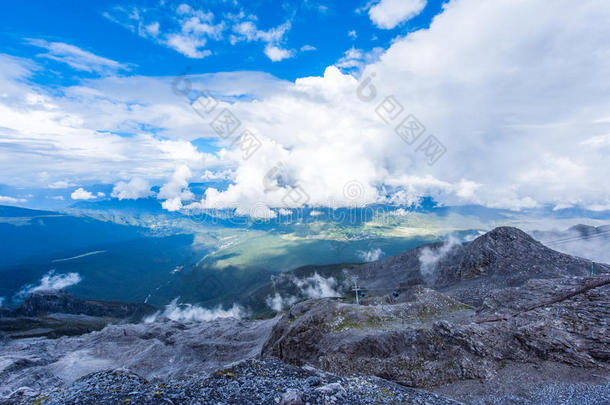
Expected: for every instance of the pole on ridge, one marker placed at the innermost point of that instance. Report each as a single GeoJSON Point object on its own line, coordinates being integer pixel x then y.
{"type": "Point", "coordinates": [356, 289]}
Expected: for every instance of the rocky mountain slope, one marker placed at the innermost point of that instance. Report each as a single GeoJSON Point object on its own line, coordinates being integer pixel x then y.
{"type": "Point", "coordinates": [53, 313]}
{"type": "Point", "coordinates": [503, 257]}
{"type": "Point", "coordinates": [434, 339]}
{"type": "Point", "coordinates": [157, 351]}
{"type": "Point", "coordinates": [500, 320]}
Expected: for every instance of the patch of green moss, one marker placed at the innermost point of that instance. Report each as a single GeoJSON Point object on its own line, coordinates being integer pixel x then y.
{"type": "Point", "coordinates": [227, 373]}
{"type": "Point", "coordinates": [345, 324]}
{"type": "Point", "coordinates": [415, 365]}
{"type": "Point", "coordinates": [291, 320]}
{"type": "Point", "coordinates": [426, 313]}
{"type": "Point", "coordinates": [387, 392]}
{"type": "Point", "coordinates": [41, 398]}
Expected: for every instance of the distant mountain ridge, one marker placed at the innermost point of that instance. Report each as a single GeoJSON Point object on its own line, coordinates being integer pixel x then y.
{"type": "Point", "coordinates": [56, 313]}
{"type": "Point", "coordinates": [11, 211]}
{"type": "Point", "coordinates": [43, 303]}
{"type": "Point", "coordinates": [503, 257]}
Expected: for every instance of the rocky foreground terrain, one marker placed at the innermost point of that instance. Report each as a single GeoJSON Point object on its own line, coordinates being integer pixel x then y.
{"type": "Point", "coordinates": [248, 382]}
{"type": "Point", "coordinates": [500, 320]}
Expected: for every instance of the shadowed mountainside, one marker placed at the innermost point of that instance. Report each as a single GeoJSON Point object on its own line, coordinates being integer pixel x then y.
{"type": "Point", "coordinates": [53, 313]}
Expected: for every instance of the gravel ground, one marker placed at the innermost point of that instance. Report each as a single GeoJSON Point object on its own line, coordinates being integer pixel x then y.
{"type": "Point", "coordinates": [556, 394]}
{"type": "Point", "coordinates": [548, 383]}
{"type": "Point", "coordinates": [248, 382]}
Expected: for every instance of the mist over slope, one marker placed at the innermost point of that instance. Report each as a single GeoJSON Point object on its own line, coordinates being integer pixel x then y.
{"type": "Point", "coordinates": [582, 240]}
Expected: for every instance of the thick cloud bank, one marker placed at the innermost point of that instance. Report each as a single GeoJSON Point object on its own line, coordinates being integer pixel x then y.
{"type": "Point", "coordinates": [522, 115]}
{"type": "Point", "coordinates": [501, 103]}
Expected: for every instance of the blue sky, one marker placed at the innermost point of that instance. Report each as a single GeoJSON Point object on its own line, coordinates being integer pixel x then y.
{"type": "Point", "coordinates": [498, 103]}
{"type": "Point", "coordinates": [106, 29]}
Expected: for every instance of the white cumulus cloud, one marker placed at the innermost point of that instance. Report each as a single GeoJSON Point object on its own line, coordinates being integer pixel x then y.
{"type": "Point", "coordinates": [276, 54]}
{"type": "Point", "coordinates": [82, 194]}
{"type": "Point", "coordinates": [521, 114]}
{"type": "Point", "coordinates": [312, 287]}
{"type": "Point", "coordinates": [388, 14]}
{"type": "Point", "coordinates": [176, 190]}
{"type": "Point", "coordinates": [61, 184]}
{"type": "Point", "coordinates": [429, 257]}
{"type": "Point", "coordinates": [52, 281]}
{"type": "Point", "coordinates": [11, 200]}
{"type": "Point", "coordinates": [132, 190]}
{"type": "Point", "coordinates": [507, 146]}
{"type": "Point", "coordinates": [279, 303]}
{"type": "Point", "coordinates": [317, 286]}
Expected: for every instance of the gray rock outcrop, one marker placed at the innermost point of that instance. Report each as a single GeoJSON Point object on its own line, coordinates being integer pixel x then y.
{"type": "Point", "coordinates": [432, 341]}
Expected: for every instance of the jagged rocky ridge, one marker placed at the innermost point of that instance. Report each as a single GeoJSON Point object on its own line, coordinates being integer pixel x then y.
{"type": "Point", "coordinates": [503, 257]}
{"type": "Point", "coordinates": [526, 321]}
{"type": "Point", "coordinates": [53, 313]}
{"type": "Point", "coordinates": [43, 303]}
{"type": "Point", "coordinates": [436, 340]}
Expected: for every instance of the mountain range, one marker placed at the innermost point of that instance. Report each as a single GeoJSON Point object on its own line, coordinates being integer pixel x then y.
{"type": "Point", "coordinates": [486, 321]}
